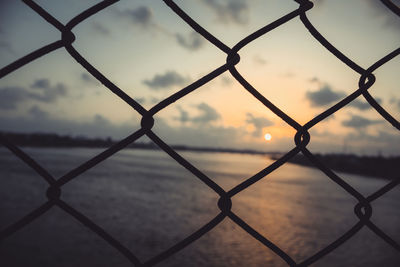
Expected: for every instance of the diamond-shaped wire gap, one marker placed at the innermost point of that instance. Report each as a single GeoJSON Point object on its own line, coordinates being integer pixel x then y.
{"type": "Point", "coordinates": [221, 117]}
{"type": "Point", "coordinates": [21, 189]}
{"type": "Point", "coordinates": [226, 245]}
{"type": "Point", "coordinates": [58, 237]}
{"type": "Point", "coordinates": [363, 249]}
{"type": "Point", "coordinates": [349, 35]}
{"type": "Point", "coordinates": [301, 69]}
{"type": "Point", "coordinates": [80, 85]}
{"type": "Point", "coordinates": [150, 204]}
{"type": "Point", "coordinates": [361, 144]}
{"type": "Point", "coordinates": [230, 27]}
{"type": "Point", "coordinates": [19, 38]}
{"type": "Point", "coordinates": [67, 102]}
{"type": "Point", "coordinates": [225, 168]}
{"type": "Point", "coordinates": [297, 209]}
{"type": "Point", "coordinates": [146, 79]}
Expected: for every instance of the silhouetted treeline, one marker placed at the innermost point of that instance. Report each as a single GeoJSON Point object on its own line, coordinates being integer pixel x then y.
{"type": "Point", "coordinates": [377, 166]}
{"type": "Point", "coordinates": [55, 140]}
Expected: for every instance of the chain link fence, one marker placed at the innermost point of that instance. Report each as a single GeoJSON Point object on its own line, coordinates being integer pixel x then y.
{"type": "Point", "coordinates": [362, 210]}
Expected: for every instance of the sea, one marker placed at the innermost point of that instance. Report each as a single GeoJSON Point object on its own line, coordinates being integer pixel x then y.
{"type": "Point", "coordinates": [148, 202]}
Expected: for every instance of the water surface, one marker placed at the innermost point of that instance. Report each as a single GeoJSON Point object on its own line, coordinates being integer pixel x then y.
{"type": "Point", "coordinates": [149, 202]}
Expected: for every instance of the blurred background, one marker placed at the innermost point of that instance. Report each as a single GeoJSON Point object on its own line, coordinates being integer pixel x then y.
{"type": "Point", "coordinates": [63, 116]}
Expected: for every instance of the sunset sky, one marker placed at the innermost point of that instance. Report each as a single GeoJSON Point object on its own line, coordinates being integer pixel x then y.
{"type": "Point", "coordinates": [150, 53]}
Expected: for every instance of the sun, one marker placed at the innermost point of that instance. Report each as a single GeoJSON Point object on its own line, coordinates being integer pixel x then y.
{"type": "Point", "coordinates": [268, 136]}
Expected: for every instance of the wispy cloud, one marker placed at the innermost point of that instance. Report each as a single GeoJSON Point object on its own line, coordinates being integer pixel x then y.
{"type": "Point", "coordinates": [100, 28]}
{"type": "Point", "coordinates": [236, 11]}
{"type": "Point", "coordinates": [10, 97]}
{"type": "Point", "coordinates": [324, 96]}
{"type": "Point", "coordinates": [183, 115]}
{"type": "Point", "coordinates": [41, 90]}
{"type": "Point", "coordinates": [207, 115]}
{"type": "Point", "coordinates": [359, 122]}
{"type": "Point", "coordinates": [48, 92]}
{"type": "Point", "coordinates": [259, 123]}
{"type": "Point", "coordinates": [89, 79]}
{"type": "Point", "coordinates": [140, 100]}
{"type": "Point", "coordinates": [5, 46]}
{"type": "Point", "coordinates": [363, 104]}
{"type": "Point", "coordinates": [166, 80]}
{"type": "Point", "coordinates": [192, 41]}
{"type": "Point", "coordinates": [41, 121]}
{"type": "Point", "coordinates": [396, 102]}
{"type": "Point", "coordinates": [142, 16]}
{"type": "Point", "coordinates": [259, 60]}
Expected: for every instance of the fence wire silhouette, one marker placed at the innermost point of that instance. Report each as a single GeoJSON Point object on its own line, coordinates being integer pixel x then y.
{"type": "Point", "coordinates": [362, 210]}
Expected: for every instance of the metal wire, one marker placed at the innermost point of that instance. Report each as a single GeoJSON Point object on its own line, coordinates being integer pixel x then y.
{"type": "Point", "coordinates": [362, 209]}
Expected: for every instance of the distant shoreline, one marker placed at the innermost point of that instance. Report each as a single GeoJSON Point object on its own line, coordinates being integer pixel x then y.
{"type": "Point", "coordinates": [55, 140]}
{"type": "Point", "coordinates": [374, 166]}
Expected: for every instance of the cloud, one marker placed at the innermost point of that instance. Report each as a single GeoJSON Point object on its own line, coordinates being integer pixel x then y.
{"type": "Point", "coordinates": [259, 60]}
{"type": "Point", "coordinates": [86, 77]}
{"type": "Point", "coordinates": [288, 74]}
{"type": "Point", "coordinates": [37, 112]}
{"type": "Point", "coordinates": [203, 135]}
{"type": "Point", "coordinates": [379, 10]}
{"type": "Point", "coordinates": [100, 28]}
{"type": "Point", "coordinates": [315, 80]}
{"type": "Point", "coordinates": [142, 16]}
{"type": "Point", "coordinates": [41, 84]}
{"type": "Point", "coordinates": [208, 114]}
{"type": "Point", "coordinates": [49, 93]}
{"type": "Point", "coordinates": [89, 79]}
{"type": "Point", "coordinates": [140, 100]}
{"type": "Point", "coordinates": [236, 11]}
{"type": "Point", "coordinates": [166, 80]}
{"type": "Point", "coordinates": [41, 121]}
{"type": "Point", "coordinates": [395, 102]}
{"type": "Point", "coordinates": [192, 41]}
{"type": "Point", "coordinates": [10, 97]}
{"type": "Point", "coordinates": [358, 122]}
{"type": "Point", "coordinates": [183, 115]}
{"type": "Point", "coordinates": [99, 126]}
{"type": "Point", "coordinates": [363, 105]}
{"type": "Point", "coordinates": [154, 100]}
{"type": "Point", "coordinates": [41, 90]}
{"type": "Point", "coordinates": [6, 46]}
{"type": "Point", "coordinates": [324, 96]}
{"type": "Point", "coordinates": [259, 123]}
{"type": "Point", "coordinates": [226, 80]}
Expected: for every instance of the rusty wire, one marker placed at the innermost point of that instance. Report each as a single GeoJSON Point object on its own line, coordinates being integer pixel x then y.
{"type": "Point", "coordinates": [362, 209]}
